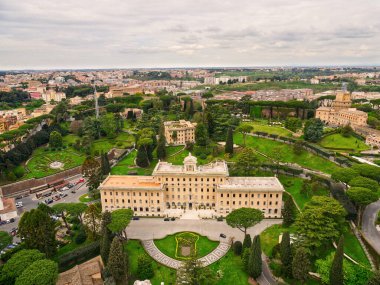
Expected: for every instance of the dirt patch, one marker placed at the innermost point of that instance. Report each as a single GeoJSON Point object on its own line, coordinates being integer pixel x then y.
{"type": "Point", "coordinates": [185, 250]}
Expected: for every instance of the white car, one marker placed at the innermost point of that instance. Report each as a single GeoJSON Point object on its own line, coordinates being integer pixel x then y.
{"type": "Point", "coordinates": [65, 188]}
{"type": "Point", "coordinates": [19, 205]}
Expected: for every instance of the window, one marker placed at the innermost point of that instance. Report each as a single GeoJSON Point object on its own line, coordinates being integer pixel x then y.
{"type": "Point", "coordinates": [221, 195]}
{"type": "Point", "coordinates": [265, 195]}
{"type": "Point", "coordinates": [105, 200]}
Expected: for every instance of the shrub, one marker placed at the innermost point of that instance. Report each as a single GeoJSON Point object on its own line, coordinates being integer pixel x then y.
{"type": "Point", "coordinates": [219, 219]}
{"type": "Point", "coordinates": [119, 143]}
{"type": "Point", "coordinates": [202, 156]}
{"type": "Point", "coordinates": [144, 267]}
{"type": "Point", "coordinates": [238, 247]}
{"type": "Point", "coordinates": [19, 171]}
{"type": "Point", "coordinates": [81, 237]}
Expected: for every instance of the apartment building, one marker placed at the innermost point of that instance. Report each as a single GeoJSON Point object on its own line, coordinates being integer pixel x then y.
{"type": "Point", "coordinates": [179, 132]}
{"type": "Point", "coordinates": [193, 187]}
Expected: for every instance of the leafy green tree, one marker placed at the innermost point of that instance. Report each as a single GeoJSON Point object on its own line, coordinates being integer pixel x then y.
{"type": "Point", "coordinates": [5, 239]}
{"type": "Point", "coordinates": [120, 220]}
{"type": "Point", "coordinates": [193, 273]}
{"type": "Point", "coordinates": [244, 129]}
{"type": "Point", "coordinates": [289, 212]}
{"type": "Point", "coordinates": [118, 262]}
{"type": "Point", "coordinates": [105, 164]}
{"type": "Point", "coordinates": [106, 236]}
{"type": "Point", "coordinates": [92, 221]}
{"type": "Point", "coordinates": [201, 135]}
{"type": "Point", "coordinates": [321, 220]}
{"type": "Point", "coordinates": [142, 157]}
{"type": "Point", "coordinates": [229, 147]}
{"type": "Point", "coordinates": [76, 210]}
{"type": "Point", "coordinates": [41, 272]}
{"type": "Point", "coordinates": [301, 265]}
{"type": "Point", "coordinates": [364, 182]}
{"type": "Point", "coordinates": [55, 139]}
{"type": "Point", "coordinates": [293, 124]}
{"type": "Point", "coordinates": [336, 271]}
{"type": "Point", "coordinates": [247, 242]}
{"type": "Point", "coordinates": [246, 161]}
{"type": "Point", "coordinates": [255, 262]}
{"type": "Point", "coordinates": [161, 144]}
{"type": "Point", "coordinates": [298, 147]}
{"type": "Point", "coordinates": [245, 257]}
{"type": "Point", "coordinates": [144, 267]}
{"type": "Point", "coordinates": [91, 169]}
{"type": "Point", "coordinates": [108, 125]}
{"type": "Point", "coordinates": [61, 209]}
{"type": "Point", "coordinates": [344, 175]}
{"type": "Point", "coordinates": [361, 198]}
{"type": "Point", "coordinates": [286, 254]}
{"type": "Point", "coordinates": [313, 130]}
{"type": "Point", "coordinates": [244, 218]}
{"type": "Point", "coordinates": [369, 171]}
{"type": "Point", "coordinates": [38, 231]}
{"type": "Point", "coordinates": [14, 267]}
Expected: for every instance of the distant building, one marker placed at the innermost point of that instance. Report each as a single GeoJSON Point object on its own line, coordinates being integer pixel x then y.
{"type": "Point", "coordinates": [179, 132]}
{"type": "Point", "coordinates": [51, 94]}
{"type": "Point", "coordinates": [314, 81]}
{"type": "Point", "coordinates": [190, 186]}
{"type": "Point", "coordinates": [340, 113]}
{"type": "Point", "coordinates": [373, 140]}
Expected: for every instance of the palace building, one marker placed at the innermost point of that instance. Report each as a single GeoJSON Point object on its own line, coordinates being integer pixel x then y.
{"type": "Point", "coordinates": [179, 132]}
{"type": "Point", "coordinates": [191, 187]}
{"type": "Point", "coordinates": [340, 113]}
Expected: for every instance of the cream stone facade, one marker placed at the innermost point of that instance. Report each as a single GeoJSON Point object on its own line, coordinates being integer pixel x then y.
{"type": "Point", "coordinates": [179, 132]}
{"type": "Point", "coordinates": [340, 113]}
{"type": "Point", "coordinates": [373, 140]}
{"type": "Point", "coordinates": [192, 187]}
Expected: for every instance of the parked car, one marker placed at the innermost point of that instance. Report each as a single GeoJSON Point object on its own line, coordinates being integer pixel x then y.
{"type": "Point", "coordinates": [172, 219]}
{"type": "Point", "coordinates": [11, 220]}
{"type": "Point", "coordinates": [73, 191]}
{"type": "Point", "coordinates": [166, 219]}
{"type": "Point", "coordinates": [222, 235]}
{"type": "Point", "coordinates": [19, 205]}
{"type": "Point", "coordinates": [70, 185]}
{"type": "Point", "coordinates": [48, 201]}
{"type": "Point", "coordinates": [19, 197]}
{"type": "Point", "coordinates": [135, 218]}
{"type": "Point", "coordinates": [65, 188]}
{"type": "Point", "coordinates": [2, 223]}
{"type": "Point", "coordinates": [56, 198]}
{"type": "Point", "coordinates": [81, 180]}
{"type": "Point", "coordinates": [63, 195]}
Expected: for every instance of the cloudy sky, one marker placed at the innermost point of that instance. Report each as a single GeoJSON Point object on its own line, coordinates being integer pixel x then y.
{"type": "Point", "coordinates": [179, 33]}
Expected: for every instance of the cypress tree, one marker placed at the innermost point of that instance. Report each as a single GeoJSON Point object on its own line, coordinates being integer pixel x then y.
{"type": "Point", "coordinates": [161, 145]}
{"type": "Point", "coordinates": [247, 241]}
{"type": "Point", "coordinates": [105, 164]}
{"type": "Point", "coordinates": [245, 258]}
{"type": "Point", "coordinates": [336, 271]}
{"type": "Point", "coordinates": [229, 147]}
{"type": "Point", "coordinates": [255, 262]}
{"type": "Point", "coordinates": [117, 262]}
{"type": "Point", "coordinates": [301, 265]}
{"type": "Point", "coordinates": [142, 157]}
{"type": "Point", "coordinates": [106, 237]}
{"type": "Point", "coordinates": [286, 254]}
{"type": "Point", "coordinates": [288, 214]}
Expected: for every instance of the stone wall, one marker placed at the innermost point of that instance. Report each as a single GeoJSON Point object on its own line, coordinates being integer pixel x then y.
{"type": "Point", "coordinates": [23, 187]}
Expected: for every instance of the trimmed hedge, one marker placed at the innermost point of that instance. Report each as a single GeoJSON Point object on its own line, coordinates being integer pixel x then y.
{"type": "Point", "coordinates": [78, 255]}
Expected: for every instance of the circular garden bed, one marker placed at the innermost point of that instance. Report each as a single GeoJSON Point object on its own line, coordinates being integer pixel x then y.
{"type": "Point", "coordinates": [186, 245]}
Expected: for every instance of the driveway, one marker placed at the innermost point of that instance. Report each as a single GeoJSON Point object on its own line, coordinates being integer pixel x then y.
{"type": "Point", "coordinates": [368, 225]}
{"type": "Point", "coordinates": [157, 228]}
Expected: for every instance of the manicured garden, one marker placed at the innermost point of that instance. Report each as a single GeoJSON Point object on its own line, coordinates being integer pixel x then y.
{"type": "Point", "coordinates": [171, 245]}
{"type": "Point", "coordinates": [262, 126]}
{"type": "Point", "coordinates": [340, 142]}
{"type": "Point", "coordinates": [285, 153]}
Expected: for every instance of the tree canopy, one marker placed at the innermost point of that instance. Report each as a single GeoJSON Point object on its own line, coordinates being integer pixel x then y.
{"type": "Point", "coordinates": [244, 218]}
{"type": "Point", "coordinates": [41, 272]}
{"type": "Point", "coordinates": [120, 220]}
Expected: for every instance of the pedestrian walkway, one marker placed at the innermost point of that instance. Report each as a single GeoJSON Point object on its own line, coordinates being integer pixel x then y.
{"type": "Point", "coordinates": [160, 257]}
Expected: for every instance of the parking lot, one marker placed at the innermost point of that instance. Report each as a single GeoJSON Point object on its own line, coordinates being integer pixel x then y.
{"type": "Point", "coordinates": [30, 202]}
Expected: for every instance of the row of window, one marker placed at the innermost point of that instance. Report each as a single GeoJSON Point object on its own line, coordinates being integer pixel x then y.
{"type": "Point", "coordinates": [129, 201]}
{"type": "Point", "coordinates": [246, 203]}
{"type": "Point", "coordinates": [189, 179]}
{"type": "Point", "coordinates": [246, 195]}
{"type": "Point", "coordinates": [184, 189]}
{"type": "Point", "coordinates": [128, 194]}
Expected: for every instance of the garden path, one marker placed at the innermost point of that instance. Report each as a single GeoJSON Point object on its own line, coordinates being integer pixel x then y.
{"type": "Point", "coordinates": [160, 257]}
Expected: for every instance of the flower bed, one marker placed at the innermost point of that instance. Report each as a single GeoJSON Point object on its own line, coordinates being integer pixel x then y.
{"type": "Point", "coordinates": [186, 247]}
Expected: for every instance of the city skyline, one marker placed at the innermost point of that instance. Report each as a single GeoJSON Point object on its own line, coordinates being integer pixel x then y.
{"type": "Point", "coordinates": [44, 34]}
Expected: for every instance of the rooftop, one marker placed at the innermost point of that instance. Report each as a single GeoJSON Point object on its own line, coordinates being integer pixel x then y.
{"type": "Point", "coordinates": [217, 168]}
{"type": "Point", "coordinates": [133, 182]}
{"type": "Point", "coordinates": [179, 124]}
{"type": "Point", "coordinates": [249, 183]}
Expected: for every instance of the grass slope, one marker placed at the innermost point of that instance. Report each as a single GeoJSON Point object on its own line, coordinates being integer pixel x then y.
{"type": "Point", "coordinates": [337, 141]}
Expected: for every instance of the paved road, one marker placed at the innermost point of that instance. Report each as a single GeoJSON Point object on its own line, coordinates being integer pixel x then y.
{"type": "Point", "coordinates": [157, 228]}
{"type": "Point", "coordinates": [31, 202]}
{"type": "Point", "coordinates": [368, 225]}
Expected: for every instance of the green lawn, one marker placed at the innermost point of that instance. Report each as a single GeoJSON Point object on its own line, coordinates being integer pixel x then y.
{"type": "Point", "coordinates": [85, 198]}
{"type": "Point", "coordinates": [168, 245]}
{"type": "Point", "coordinates": [178, 158]}
{"type": "Point", "coordinates": [123, 140]}
{"type": "Point", "coordinates": [170, 150]}
{"type": "Point", "coordinates": [232, 268]}
{"type": "Point", "coordinates": [262, 126]}
{"type": "Point", "coordinates": [339, 142]}
{"type": "Point", "coordinates": [293, 186]}
{"type": "Point", "coordinates": [127, 165]}
{"type": "Point", "coordinates": [286, 153]}
{"type": "Point", "coordinates": [161, 273]}
{"type": "Point", "coordinates": [353, 248]}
